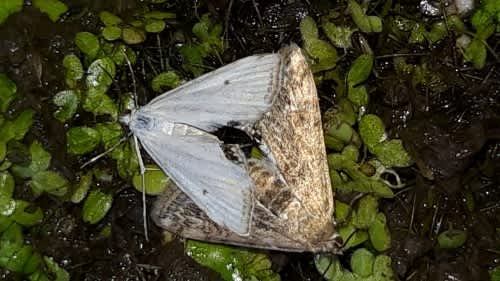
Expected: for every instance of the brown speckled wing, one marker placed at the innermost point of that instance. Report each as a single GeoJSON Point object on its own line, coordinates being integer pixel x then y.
{"type": "Point", "coordinates": [293, 194]}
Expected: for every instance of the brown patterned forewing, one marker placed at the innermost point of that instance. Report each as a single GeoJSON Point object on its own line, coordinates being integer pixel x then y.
{"type": "Point", "coordinates": [293, 133]}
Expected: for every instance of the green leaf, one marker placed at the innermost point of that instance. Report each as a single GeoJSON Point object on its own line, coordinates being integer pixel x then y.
{"type": "Point", "coordinates": [323, 54]}
{"type": "Point", "coordinates": [371, 130]}
{"type": "Point", "coordinates": [382, 268]}
{"type": "Point", "coordinates": [97, 102]}
{"type": "Point", "coordinates": [352, 237]}
{"type": "Point", "coordinates": [392, 153]}
{"type": "Point", "coordinates": [53, 8]}
{"type": "Point", "coordinates": [209, 34]}
{"type": "Point", "coordinates": [96, 206]}
{"type": "Point", "coordinates": [165, 81]}
{"type": "Point", "coordinates": [101, 73]}
{"type": "Point", "coordinates": [308, 28]}
{"type": "Point", "coordinates": [39, 276]}
{"type": "Point", "coordinates": [380, 235]}
{"type": "Point", "coordinates": [342, 211]}
{"type": "Point", "coordinates": [351, 152]}
{"type": "Point", "coordinates": [82, 188]}
{"type": "Point", "coordinates": [40, 161]}
{"type": "Point", "coordinates": [452, 238]}
{"type": "Point", "coordinates": [32, 263]}
{"type": "Point", "coordinates": [15, 130]}
{"type": "Point", "coordinates": [5, 223]}
{"type": "Point", "coordinates": [121, 53]}
{"type": "Point", "coordinates": [59, 272]}
{"type": "Point", "coordinates": [159, 15]}
{"type": "Point", "coordinates": [438, 31]}
{"type": "Point", "coordinates": [87, 43]}
{"type": "Point", "coordinates": [418, 34]}
{"type": "Point", "coordinates": [111, 33]}
{"type": "Point", "coordinates": [231, 262]}
{"type": "Point", "coordinates": [360, 70]}
{"type": "Point", "coordinates": [365, 23]}
{"type": "Point", "coordinates": [5, 165]}
{"type": "Point", "coordinates": [67, 102]}
{"type": "Point", "coordinates": [126, 160]}
{"type": "Point", "coordinates": [362, 262]}
{"type": "Point", "coordinates": [201, 28]}
{"type": "Point", "coordinates": [7, 205]}
{"type": "Point", "coordinates": [6, 184]}
{"type": "Point", "coordinates": [9, 7]}
{"type": "Point", "coordinates": [110, 133]}
{"type": "Point", "coordinates": [365, 212]}
{"type": "Point", "coordinates": [154, 26]}
{"type": "Point", "coordinates": [193, 59]}
{"type": "Point", "coordinates": [103, 175]}
{"type": "Point", "coordinates": [8, 90]}
{"type": "Point", "coordinates": [476, 53]}
{"type": "Point", "coordinates": [358, 95]}
{"type": "Point", "coordinates": [109, 19]}
{"type": "Point", "coordinates": [155, 181]}
{"type": "Point", "coordinates": [22, 124]}
{"type": "Point", "coordinates": [132, 35]}
{"type": "Point", "coordinates": [340, 36]}
{"type": "Point", "coordinates": [50, 182]}
{"type": "Point", "coordinates": [19, 257]}
{"type": "Point", "coordinates": [26, 214]}
{"type": "Point", "coordinates": [81, 140]}
{"type": "Point", "coordinates": [73, 70]}
{"type": "Point", "coordinates": [331, 269]}
{"type": "Point", "coordinates": [13, 234]}
{"type": "Point", "coordinates": [482, 18]}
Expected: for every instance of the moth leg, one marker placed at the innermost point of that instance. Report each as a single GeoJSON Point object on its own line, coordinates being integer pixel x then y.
{"type": "Point", "coordinates": [235, 154]}
{"type": "Point", "coordinates": [142, 170]}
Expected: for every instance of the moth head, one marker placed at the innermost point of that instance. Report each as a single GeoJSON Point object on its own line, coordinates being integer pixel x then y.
{"type": "Point", "coordinates": [126, 118]}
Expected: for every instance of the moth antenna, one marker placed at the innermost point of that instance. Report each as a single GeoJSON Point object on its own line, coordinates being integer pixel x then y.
{"type": "Point", "coordinates": [143, 184]}
{"type": "Point", "coordinates": [226, 20]}
{"type": "Point", "coordinates": [139, 157]}
{"type": "Point", "coordinates": [100, 155]}
{"type": "Point", "coordinates": [158, 40]}
{"type": "Point", "coordinates": [256, 7]}
{"type": "Point", "coordinates": [134, 84]}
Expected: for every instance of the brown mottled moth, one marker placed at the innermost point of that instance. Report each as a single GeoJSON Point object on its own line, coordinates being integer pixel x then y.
{"type": "Point", "coordinates": [292, 194]}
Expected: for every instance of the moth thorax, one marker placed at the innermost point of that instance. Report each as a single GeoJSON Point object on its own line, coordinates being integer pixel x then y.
{"type": "Point", "coordinates": [142, 122]}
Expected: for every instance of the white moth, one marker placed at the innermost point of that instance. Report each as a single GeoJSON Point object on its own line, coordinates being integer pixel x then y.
{"type": "Point", "coordinates": [174, 129]}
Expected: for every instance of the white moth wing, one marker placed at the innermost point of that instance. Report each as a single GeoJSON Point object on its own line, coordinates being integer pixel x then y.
{"type": "Point", "coordinates": [239, 92]}
{"type": "Point", "coordinates": [195, 161]}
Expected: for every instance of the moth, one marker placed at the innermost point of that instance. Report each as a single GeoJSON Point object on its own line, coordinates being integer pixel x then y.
{"type": "Point", "coordinates": [293, 209]}
{"type": "Point", "coordinates": [175, 130]}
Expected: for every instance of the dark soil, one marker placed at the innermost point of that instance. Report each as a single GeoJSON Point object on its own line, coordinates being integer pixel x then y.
{"type": "Point", "coordinates": [452, 131]}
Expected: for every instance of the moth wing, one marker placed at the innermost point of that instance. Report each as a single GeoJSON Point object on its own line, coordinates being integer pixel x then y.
{"type": "Point", "coordinates": [196, 163]}
{"type": "Point", "coordinates": [177, 213]}
{"type": "Point", "coordinates": [239, 92]}
{"type": "Point", "coordinates": [292, 133]}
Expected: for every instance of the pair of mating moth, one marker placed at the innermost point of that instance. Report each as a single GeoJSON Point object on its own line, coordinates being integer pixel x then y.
{"type": "Point", "coordinates": [283, 201]}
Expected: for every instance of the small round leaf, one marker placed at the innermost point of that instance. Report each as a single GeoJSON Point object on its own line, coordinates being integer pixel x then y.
{"type": "Point", "coordinates": [96, 206]}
